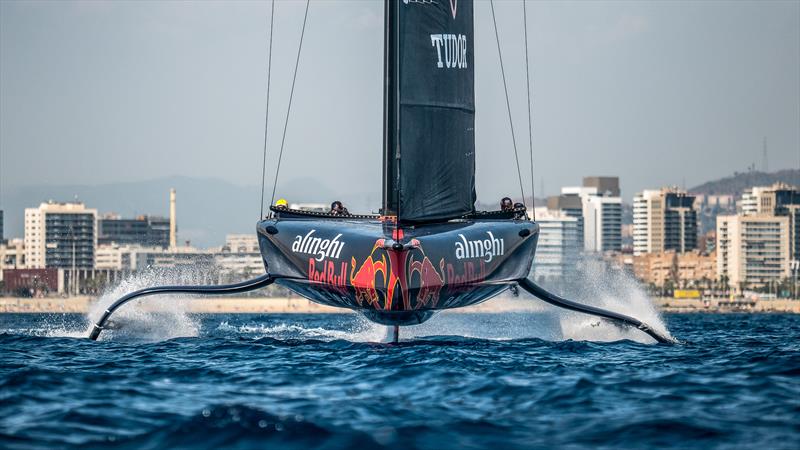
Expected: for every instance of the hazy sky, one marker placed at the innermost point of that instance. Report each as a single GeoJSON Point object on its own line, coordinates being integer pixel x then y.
{"type": "Point", "coordinates": [655, 92]}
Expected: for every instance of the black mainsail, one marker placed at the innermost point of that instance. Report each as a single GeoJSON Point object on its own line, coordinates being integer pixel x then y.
{"type": "Point", "coordinates": [429, 116]}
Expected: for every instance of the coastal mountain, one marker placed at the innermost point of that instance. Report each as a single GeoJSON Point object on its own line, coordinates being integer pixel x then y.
{"type": "Point", "coordinates": [738, 182]}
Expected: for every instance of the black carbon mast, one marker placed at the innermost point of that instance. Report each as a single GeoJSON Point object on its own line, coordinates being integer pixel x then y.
{"type": "Point", "coordinates": [391, 157]}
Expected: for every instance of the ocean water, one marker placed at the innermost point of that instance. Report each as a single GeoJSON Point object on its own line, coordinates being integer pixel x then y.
{"type": "Point", "coordinates": [510, 380]}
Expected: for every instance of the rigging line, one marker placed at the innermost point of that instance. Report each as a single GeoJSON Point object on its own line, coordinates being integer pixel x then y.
{"type": "Point", "coordinates": [266, 115]}
{"type": "Point", "coordinates": [530, 126]}
{"type": "Point", "coordinates": [508, 103]}
{"type": "Point", "coordinates": [289, 108]}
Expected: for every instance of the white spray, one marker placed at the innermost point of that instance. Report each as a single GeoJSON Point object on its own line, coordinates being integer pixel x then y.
{"type": "Point", "coordinates": [154, 318]}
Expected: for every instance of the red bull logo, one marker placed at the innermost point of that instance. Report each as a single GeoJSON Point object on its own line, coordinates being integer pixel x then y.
{"type": "Point", "coordinates": [380, 278]}
{"type": "Point", "coordinates": [326, 273]}
{"type": "Point", "coordinates": [467, 277]}
{"type": "Point", "coordinates": [430, 282]}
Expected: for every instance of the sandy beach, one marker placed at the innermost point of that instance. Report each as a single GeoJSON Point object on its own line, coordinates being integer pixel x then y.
{"type": "Point", "coordinates": [288, 305]}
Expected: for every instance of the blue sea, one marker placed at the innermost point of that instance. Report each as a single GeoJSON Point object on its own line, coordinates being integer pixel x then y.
{"type": "Point", "coordinates": [326, 381]}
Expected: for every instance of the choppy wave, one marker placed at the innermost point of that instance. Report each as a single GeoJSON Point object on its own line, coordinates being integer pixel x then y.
{"type": "Point", "coordinates": [507, 380]}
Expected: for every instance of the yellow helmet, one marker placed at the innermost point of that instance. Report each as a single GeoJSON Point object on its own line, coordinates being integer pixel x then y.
{"type": "Point", "coordinates": [282, 202]}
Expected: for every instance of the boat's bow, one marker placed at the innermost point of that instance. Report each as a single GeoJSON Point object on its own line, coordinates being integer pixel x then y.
{"type": "Point", "coordinates": [397, 275]}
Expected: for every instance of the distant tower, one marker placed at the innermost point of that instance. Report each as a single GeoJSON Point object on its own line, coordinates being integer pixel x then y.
{"type": "Point", "coordinates": [765, 161]}
{"type": "Point", "coordinates": [173, 226]}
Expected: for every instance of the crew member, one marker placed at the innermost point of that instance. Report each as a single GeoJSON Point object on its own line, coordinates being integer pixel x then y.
{"type": "Point", "coordinates": [520, 211]}
{"type": "Point", "coordinates": [506, 204]}
{"type": "Point", "coordinates": [282, 204]}
{"type": "Point", "coordinates": [338, 209]}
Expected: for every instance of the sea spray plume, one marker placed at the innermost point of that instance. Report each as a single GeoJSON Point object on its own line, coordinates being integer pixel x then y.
{"type": "Point", "coordinates": [520, 317]}
{"type": "Point", "coordinates": [596, 283]}
{"type": "Point", "coordinates": [162, 317]}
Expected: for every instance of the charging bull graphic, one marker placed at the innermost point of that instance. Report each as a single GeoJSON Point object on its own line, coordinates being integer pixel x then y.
{"type": "Point", "coordinates": [363, 280]}
{"type": "Point", "coordinates": [387, 271]}
{"type": "Point", "coordinates": [430, 282]}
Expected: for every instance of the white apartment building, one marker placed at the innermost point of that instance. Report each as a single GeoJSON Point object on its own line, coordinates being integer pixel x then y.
{"type": "Point", "coordinates": [664, 219]}
{"type": "Point", "coordinates": [602, 224]}
{"type": "Point", "coordinates": [752, 250]}
{"type": "Point", "coordinates": [602, 219]}
{"type": "Point", "coordinates": [560, 243]}
{"type": "Point", "coordinates": [240, 256]}
{"type": "Point", "coordinates": [60, 235]}
{"type": "Point", "coordinates": [125, 257]}
{"type": "Point", "coordinates": [780, 199]}
{"type": "Point", "coordinates": [241, 243]}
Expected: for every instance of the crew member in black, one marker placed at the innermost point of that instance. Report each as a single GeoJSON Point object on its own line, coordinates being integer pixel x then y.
{"type": "Point", "coordinates": [506, 204]}
{"type": "Point", "coordinates": [338, 209]}
{"type": "Point", "coordinates": [520, 209]}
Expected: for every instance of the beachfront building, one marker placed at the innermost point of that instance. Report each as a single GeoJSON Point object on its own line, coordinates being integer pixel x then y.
{"type": "Point", "coordinates": [602, 219]}
{"type": "Point", "coordinates": [126, 258]}
{"type": "Point", "coordinates": [12, 255]}
{"type": "Point", "coordinates": [240, 257]}
{"type": "Point", "coordinates": [780, 199]}
{"type": "Point", "coordinates": [687, 269]}
{"type": "Point", "coordinates": [560, 243]}
{"type": "Point", "coordinates": [569, 206]}
{"type": "Point", "coordinates": [600, 209]}
{"type": "Point", "coordinates": [148, 231]}
{"type": "Point", "coordinates": [664, 220]}
{"type": "Point", "coordinates": [752, 250]}
{"type": "Point", "coordinates": [60, 235]}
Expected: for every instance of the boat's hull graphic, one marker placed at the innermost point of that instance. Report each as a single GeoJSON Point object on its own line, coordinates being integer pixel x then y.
{"type": "Point", "coordinates": [397, 277]}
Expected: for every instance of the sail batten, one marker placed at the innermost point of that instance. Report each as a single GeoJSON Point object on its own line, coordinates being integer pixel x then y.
{"type": "Point", "coordinates": [429, 130]}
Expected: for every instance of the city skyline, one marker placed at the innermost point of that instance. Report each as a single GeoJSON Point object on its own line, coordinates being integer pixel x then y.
{"type": "Point", "coordinates": [210, 208]}
{"type": "Point", "coordinates": [754, 242]}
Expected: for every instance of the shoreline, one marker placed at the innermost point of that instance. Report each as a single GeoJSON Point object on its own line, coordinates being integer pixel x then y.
{"type": "Point", "coordinates": [298, 305]}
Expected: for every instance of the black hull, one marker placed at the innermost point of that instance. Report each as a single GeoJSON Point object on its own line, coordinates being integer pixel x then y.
{"type": "Point", "coordinates": [396, 276]}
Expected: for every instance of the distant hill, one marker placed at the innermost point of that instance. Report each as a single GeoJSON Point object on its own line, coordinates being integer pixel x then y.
{"type": "Point", "coordinates": [738, 182]}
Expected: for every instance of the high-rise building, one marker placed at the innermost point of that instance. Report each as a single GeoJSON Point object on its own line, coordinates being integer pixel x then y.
{"type": "Point", "coordinates": [143, 230]}
{"type": "Point", "coordinates": [752, 250]}
{"type": "Point", "coordinates": [571, 206]}
{"type": "Point", "coordinates": [606, 186]}
{"type": "Point", "coordinates": [560, 243]}
{"type": "Point", "coordinates": [602, 222]}
{"type": "Point", "coordinates": [601, 213]}
{"type": "Point", "coordinates": [779, 199]}
{"type": "Point", "coordinates": [664, 220]}
{"type": "Point", "coordinates": [60, 235]}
